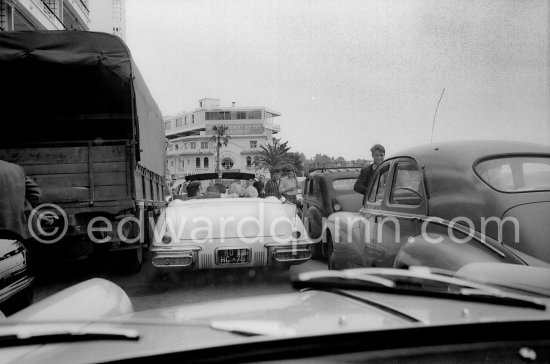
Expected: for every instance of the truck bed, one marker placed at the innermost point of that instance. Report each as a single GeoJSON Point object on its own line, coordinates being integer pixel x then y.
{"type": "Point", "coordinates": [83, 173]}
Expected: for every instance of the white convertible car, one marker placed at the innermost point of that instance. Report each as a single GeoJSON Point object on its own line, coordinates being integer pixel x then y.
{"type": "Point", "coordinates": [230, 232]}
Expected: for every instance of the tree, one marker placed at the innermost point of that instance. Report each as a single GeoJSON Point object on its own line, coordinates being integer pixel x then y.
{"type": "Point", "coordinates": [273, 156]}
{"type": "Point", "coordinates": [297, 162]}
{"type": "Point", "coordinates": [220, 138]}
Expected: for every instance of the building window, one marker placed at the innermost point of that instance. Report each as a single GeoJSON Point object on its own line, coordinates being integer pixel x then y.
{"type": "Point", "coordinates": [178, 122]}
{"type": "Point", "coordinates": [193, 145]}
{"type": "Point", "coordinates": [177, 146]}
{"type": "Point", "coordinates": [253, 144]}
{"type": "Point", "coordinates": [181, 163]}
{"type": "Point", "coordinates": [205, 162]}
{"type": "Point", "coordinates": [172, 163]}
{"type": "Point", "coordinates": [204, 145]}
{"type": "Point", "coordinates": [241, 115]}
{"type": "Point", "coordinates": [185, 121]}
{"type": "Point", "coordinates": [193, 119]}
{"type": "Point", "coordinates": [227, 163]}
{"type": "Point", "coordinates": [185, 145]}
{"type": "Point", "coordinates": [217, 115]}
{"type": "Point", "coordinates": [256, 114]}
{"type": "Point", "coordinates": [198, 162]}
{"type": "Point", "coordinates": [248, 161]}
{"type": "Point", "coordinates": [200, 103]}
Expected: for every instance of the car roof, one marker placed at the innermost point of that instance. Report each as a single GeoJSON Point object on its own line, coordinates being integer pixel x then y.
{"type": "Point", "coordinates": [336, 173]}
{"type": "Point", "coordinates": [454, 189]}
{"type": "Point", "coordinates": [466, 153]}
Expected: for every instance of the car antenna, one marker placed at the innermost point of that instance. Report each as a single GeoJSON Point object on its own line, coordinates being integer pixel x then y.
{"type": "Point", "coordinates": [435, 114]}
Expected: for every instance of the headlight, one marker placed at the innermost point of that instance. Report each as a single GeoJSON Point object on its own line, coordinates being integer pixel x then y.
{"type": "Point", "coordinates": [337, 207]}
{"type": "Point", "coordinates": [166, 239]}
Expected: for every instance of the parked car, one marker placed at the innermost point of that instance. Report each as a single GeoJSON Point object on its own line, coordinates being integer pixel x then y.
{"type": "Point", "coordinates": [16, 280]}
{"type": "Point", "coordinates": [449, 204]}
{"type": "Point", "coordinates": [327, 189]}
{"type": "Point", "coordinates": [230, 232]}
{"type": "Point", "coordinates": [480, 314]}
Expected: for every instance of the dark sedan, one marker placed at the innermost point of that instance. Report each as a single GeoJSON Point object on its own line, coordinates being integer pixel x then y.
{"type": "Point", "coordinates": [449, 204]}
{"type": "Point", "coordinates": [327, 190]}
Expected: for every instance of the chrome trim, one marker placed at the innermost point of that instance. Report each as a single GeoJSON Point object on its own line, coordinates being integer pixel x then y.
{"type": "Point", "coordinates": [260, 258]}
{"type": "Point", "coordinates": [289, 244]}
{"type": "Point", "coordinates": [290, 250]}
{"type": "Point", "coordinates": [14, 288]}
{"type": "Point", "coordinates": [171, 249]}
{"type": "Point", "coordinates": [174, 255]}
{"type": "Point", "coordinates": [205, 261]}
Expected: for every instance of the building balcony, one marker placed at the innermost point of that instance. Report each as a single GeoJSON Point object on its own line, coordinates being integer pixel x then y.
{"type": "Point", "coordinates": [80, 10]}
{"type": "Point", "coordinates": [181, 131]}
{"type": "Point", "coordinates": [177, 152]}
{"type": "Point", "coordinates": [273, 127]}
{"type": "Point", "coordinates": [40, 14]}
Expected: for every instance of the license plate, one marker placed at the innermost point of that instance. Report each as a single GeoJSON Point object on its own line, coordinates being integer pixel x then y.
{"type": "Point", "coordinates": [233, 256]}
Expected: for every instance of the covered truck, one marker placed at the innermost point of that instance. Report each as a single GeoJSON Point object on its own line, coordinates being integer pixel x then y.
{"type": "Point", "coordinates": [77, 115]}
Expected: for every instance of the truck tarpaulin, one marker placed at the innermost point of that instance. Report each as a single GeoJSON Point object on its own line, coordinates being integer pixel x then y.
{"type": "Point", "coordinates": [63, 86]}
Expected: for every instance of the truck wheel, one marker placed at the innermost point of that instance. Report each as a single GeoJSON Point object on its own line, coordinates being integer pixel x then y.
{"type": "Point", "coordinates": [132, 260]}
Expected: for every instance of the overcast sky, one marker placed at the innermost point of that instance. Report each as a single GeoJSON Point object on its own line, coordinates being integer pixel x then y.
{"type": "Point", "coordinates": [348, 74]}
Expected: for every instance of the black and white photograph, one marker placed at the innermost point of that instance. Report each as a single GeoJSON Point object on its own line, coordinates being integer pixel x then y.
{"type": "Point", "coordinates": [310, 181]}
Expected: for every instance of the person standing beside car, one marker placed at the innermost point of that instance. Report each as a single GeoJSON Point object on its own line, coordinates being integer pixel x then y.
{"type": "Point", "coordinates": [378, 153]}
{"type": "Point", "coordinates": [272, 186]}
{"type": "Point", "coordinates": [289, 186]}
{"type": "Point", "coordinates": [18, 196]}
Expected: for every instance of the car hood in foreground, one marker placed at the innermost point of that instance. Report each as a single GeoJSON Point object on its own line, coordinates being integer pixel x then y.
{"type": "Point", "coordinates": [220, 323]}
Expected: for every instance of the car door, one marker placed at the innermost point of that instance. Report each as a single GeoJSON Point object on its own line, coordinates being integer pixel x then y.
{"type": "Point", "coordinates": [402, 210]}
{"type": "Point", "coordinates": [365, 252]}
{"type": "Point", "coordinates": [311, 209]}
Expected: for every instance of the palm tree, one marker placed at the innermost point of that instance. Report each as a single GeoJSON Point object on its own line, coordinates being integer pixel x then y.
{"type": "Point", "coordinates": [273, 156]}
{"type": "Point", "coordinates": [221, 138]}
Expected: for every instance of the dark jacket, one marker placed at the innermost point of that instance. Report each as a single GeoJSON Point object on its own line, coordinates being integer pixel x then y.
{"type": "Point", "coordinates": [272, 188]}
{"type": "Point", "coordinates": [18, 195]}
{"type": "Point", "coordinates": [364, 178]}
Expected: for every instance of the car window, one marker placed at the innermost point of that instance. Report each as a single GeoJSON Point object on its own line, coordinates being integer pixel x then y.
{"type": "Point", "coordinates": [516, 174]}
{"type": "Point", "coordinates": [345, 184]}
{"type": "Point", "coordinates": [314, 187]}
{"type": "Point", "coordinates": [406, 188]}
{"type": "Point", "coordinates": [376, 193]}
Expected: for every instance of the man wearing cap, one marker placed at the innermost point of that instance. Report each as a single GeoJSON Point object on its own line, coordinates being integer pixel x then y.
{"type": "Point", "coordinates": [362, 183]}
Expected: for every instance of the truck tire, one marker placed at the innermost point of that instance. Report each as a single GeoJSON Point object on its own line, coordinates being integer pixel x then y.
{"type": "Point", "coordinates": [132, 260]}
{"type": "Point", "coordinates": [18, 302]}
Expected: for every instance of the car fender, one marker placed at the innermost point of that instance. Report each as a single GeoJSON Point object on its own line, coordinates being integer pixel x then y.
{"type": "Point", "coordinates": [315, 222]}
{"type": "Point", "coordinates": [440, 251]}
{"type": "Point", "coordinates": [341, 225]}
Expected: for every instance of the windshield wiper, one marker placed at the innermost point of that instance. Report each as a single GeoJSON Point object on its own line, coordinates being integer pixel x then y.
{"type": "Point", "coordinates": [418, 281]}
{"type": "Point", "coordinates": [38, 334]}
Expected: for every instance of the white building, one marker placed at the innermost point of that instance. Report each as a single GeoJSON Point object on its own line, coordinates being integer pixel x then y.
{"type": "Point", "coordinates": [24, 15]}
{"type": "Point", "coordinates": [109, 16]}
{"type": "Point", "coordinates": [191, 151]}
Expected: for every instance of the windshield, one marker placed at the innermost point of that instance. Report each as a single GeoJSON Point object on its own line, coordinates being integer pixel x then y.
{"type": "Point", "coordinates": [163, 147]}
{"type": "Point", "coordinates": [516, 174]}
{"type": "Point", "coordinates": [344, 184]}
